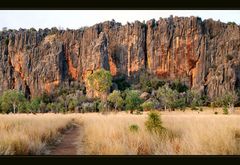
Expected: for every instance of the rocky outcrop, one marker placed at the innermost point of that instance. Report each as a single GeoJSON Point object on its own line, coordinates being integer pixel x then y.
{"type": "Point", "coordinates": [202, 54]}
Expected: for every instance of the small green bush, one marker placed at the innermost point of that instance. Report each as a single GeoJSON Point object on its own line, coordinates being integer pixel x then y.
{"type": "Point", "coordinates": [133, 128]}
{"type": "Point", "coordinates": [225, 110]}
{"type": "Point", "coordinates": [154, 123]}
{"type": "Point", "coordinates": [148, 105]}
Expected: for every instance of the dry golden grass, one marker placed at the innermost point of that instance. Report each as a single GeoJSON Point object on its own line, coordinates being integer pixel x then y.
{"type": "Point", "coordinates": [28, 134]}
{"type": "Point", "coordinates": [188, 133]}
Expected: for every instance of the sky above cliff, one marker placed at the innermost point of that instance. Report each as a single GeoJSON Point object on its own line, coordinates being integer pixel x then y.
{"type": "Point", "coordinates": [74, 19]}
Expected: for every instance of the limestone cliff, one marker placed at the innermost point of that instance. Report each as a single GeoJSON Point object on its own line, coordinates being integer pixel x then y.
{"type": "Point", "coordinates": [205, 55]}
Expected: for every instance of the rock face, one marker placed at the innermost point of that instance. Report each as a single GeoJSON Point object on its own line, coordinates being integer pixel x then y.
{"type": "Point", "coordinates": [205, 55]}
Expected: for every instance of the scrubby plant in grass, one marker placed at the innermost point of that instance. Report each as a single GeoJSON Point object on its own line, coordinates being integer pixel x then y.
{"type": "Point", "coordinates": [154, 123]}
{"type": "Point", "coordinates": [103, 107]}
{"type": "Point", "coordinates": [133, 100]}
{"type": "Point", "coordinates": [225, 110]}
{"type": "Point", "coordinates": [116, 100]}
{"type": "Point", "coordinates": [148, 105]}
{"type": "Point", "coordinates": [170, 98]}
{"type": "Point", "coordinates": [134, 128]}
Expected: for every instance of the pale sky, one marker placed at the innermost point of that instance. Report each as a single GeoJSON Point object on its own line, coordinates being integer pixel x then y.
{"type": "Point", "coordinates": [74, 19]}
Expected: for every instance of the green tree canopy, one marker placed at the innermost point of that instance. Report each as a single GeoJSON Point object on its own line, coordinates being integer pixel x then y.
{"type": "Point", "coordinates": [116, 99]}
{"type": "Point", "coordinates": [133, 100]}
{"type": "Point", "coordinates": [100, 80]}
{"type": "Point", "coordinates": [11, 99]}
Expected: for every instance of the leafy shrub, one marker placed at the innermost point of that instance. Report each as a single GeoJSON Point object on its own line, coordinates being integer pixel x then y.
{"type": "Point", "coordinates": [133, 128]}
{"type": "Point", "coordinates": [11, 100]}
{"type": "Point", "coordinates": [170, 98]}
{"type": "Point", "coordinates": [103, 106]}
{"type": "Point", "coordinates": [100, 80]}
{"type": "Point", "coordinates": [133, 100]}
{"type": "Point", "coordinates": [72, 104]}
{"type": "Point", "coordinates": [225, 110]}
{"type": "Point", "coordinates": [116, 99]}
{"type": "Point", "coordinates": [89, 107]}
{"type": "Point", "coordinates": [228, 99]}
{"type": "Point", "coordinates": [148, 105]}
{"type": "Point", "coordinates": [231, 23]}
{"type": "Point", "coordinates": [178, 86]}
{"type": "Point", "coordinates": [154, 123]}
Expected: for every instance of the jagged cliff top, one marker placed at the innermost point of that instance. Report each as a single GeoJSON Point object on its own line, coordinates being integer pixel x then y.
{"type": "Point", "coordinates": [117, 24]}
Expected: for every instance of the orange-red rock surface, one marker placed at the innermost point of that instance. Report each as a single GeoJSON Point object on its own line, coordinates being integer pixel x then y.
{"type": "Point", "coordinates": [202, 54]}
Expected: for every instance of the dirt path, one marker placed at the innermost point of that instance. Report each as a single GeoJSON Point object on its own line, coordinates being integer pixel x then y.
{"type": "Point", "coordinates": [71, 142]}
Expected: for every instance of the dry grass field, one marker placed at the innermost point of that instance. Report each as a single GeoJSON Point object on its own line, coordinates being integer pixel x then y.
{"type": "Point", "coordinates": [188, 133]}
{"type": "Point", "coordinates": [29, 134]}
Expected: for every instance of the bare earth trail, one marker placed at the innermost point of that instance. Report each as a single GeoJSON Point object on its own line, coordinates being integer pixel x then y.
{"type": "Point", "coordinates": [71, 143]}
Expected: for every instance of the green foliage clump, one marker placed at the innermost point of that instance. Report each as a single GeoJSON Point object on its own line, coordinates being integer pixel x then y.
{"type": "Point", "coordinates": [148, 105]}
{"type": "Point", "coordinates": [231, 23]}
{"type": "Point", "coordinates": [134, 128]}
{"type": "Point", "coordinates": [100, 80]}
{"type": "Point", "coordinates": [133, 100]}
{"type": "Point", "coordinates": [11, 100]}
{"type": "Point", "coordinates": [228, 99]}
{"type": "Point", "coordinates": [170, 98]}
{"type": "Point", "coordinates": [103, 106]}
{"type": "Point", "coordinates": [72, 104]}
{"type": "Point", "coordinates": [116, 99]}
{"type": "Point", "coordinates": [178, 86]}
{"type": "Point", "coordinates": [194, 99]}
{"type": "Point", "coordinates": [225, 110]}
{"type": "Point", "coordinates": [154, 123]}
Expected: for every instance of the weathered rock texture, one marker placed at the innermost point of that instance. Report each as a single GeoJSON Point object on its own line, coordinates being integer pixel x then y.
{"type": "Point", "coordinates": [202, 54]}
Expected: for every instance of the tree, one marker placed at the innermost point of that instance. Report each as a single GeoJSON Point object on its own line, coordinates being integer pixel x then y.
{"type": "Point", "coordinates": [35, 104]}
{"type": "Point", "coordinates": [154, 123]}
{"type": "Point", "coordinates": [116, 99]}
{"type": "Point", "coordinates": [100, 80]}
{"type": "Point", "coordinates": [170, 98]}
{"type": "Point", "coordinates": [11, 99]}
{"type": "Point", "coordinates": [42, 107]}
{"type": "Point", "coordinates": [194, 99]}
{"type": "Point", "coordinates": [148, 105]}
{"type": "Point", "coordinates": [133, 100]}
{"type": "Point", "coordinates": [229, 99]}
